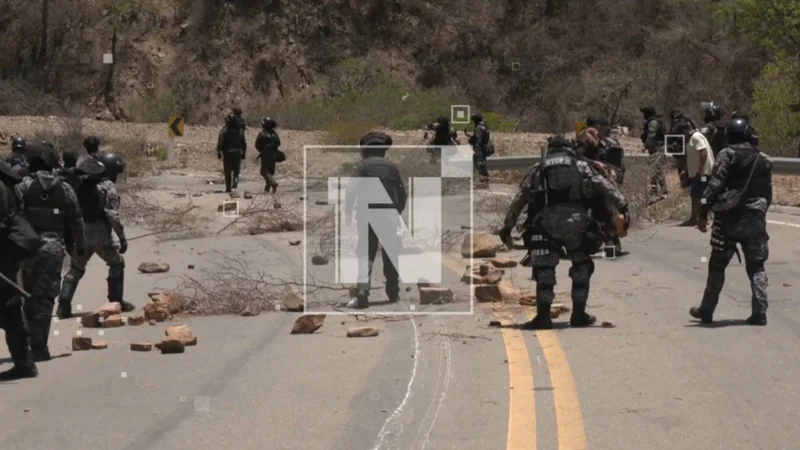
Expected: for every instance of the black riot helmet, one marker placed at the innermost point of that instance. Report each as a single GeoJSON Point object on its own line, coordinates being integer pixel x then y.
{"type": "Point", "coordinates": [70, 158]}
{"type": "Point", "coordinates": [477, 118]}
{"type": "Point", "coordinates": [739, 131]}
{"type": "Point", "coordinates": [559, 143]}
{"type": "Point", "coordinates": [231, 121]}
{"type": "Point", "coordinates": [712, 112]}
{"type": "Point", "coordinates": [375, 144]}
{"type": "Point", "coordinates": [92, 166]}
{"type": "Point", "coordinates": [114, 164]}
{"type": "Point", "coordinates": [268, 123]}
{"type": "Point", "coordinates": [91, 144]}
{"type": "Point", "coordinates": [41, 157]}
{"type": "Point", "coordinates": [237, 111]}
{"type": "Point", "coordinates": [18, 144]}
{"type": "Point", "coordinates": [648, 111]}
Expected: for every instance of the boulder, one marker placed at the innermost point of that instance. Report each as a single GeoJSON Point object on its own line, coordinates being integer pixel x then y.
{"type": "Point", "coordinates": [480, 245]}
{"type": "Point", "coordinates": [486, 293]}
{"type": "Point", "coordinates": [153, 267]}
{"type": "Point", "coordinates": [171, 346]}
{"type": "Point", "coordinates": [435, 296]}
{"type": "Point", "coordinates": [81, 343]}
{"type": "Point", "coordinates": [362, 332]}
{"type": "Point", "coordinates": [182, 333]}
{"type": "Point", "coordinates": [503, 263]}
{"type": "Point", "coordinates": [141, 346]}
{"type": "Point", "coordinates": [308, 324]}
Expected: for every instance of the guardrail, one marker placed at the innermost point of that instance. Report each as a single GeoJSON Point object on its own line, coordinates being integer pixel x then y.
{"type": "Point", "coordinates": [781, 166]}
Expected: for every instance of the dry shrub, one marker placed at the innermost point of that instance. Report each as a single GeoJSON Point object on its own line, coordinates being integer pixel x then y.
{"type": "Point", "coordinates": [266, 215]}
{"type": "Point", "coordinates": [68, 135]}
{"type": "Point", "coordinates": [184, 221]}
{"type": "Point", "coordinates": [134, 150]}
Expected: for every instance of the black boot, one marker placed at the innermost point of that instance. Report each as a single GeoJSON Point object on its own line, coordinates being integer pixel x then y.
{"type": "Point", "coordinates": [64, 310]}
{"type": "Point", "coordinates": [19, 372]}
{"type": "Point", "coordinates": [542, 321]}
{"type": "Point", "coordinates": [18, 344]}
{"type": "Point", "coordinates": [758, 319]}
{"type": "Point", "coordinates": [116, 291]}
{"type": "Point", "coordinates": [39, 336]}
{"type": "Point", "coordinates": [580, 318]}
{"type": "Point", "coordinates": [705, 315]}
{"type": "Point", "coordinates": [362, 301]}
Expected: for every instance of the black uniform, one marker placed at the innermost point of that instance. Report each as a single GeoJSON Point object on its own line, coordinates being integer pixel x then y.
{"type": "Point", "coordinates": [268, 147]}
{"type": "Point", "coordinates": [482, 147]}
{"type": "Point", "coordinates": [375, 165]}
{"type": "Point", "coordinates": [231, 149]}
{"type": "Point", "coordinates": [17, 242]}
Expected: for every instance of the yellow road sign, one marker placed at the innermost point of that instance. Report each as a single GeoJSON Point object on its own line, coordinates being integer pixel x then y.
{"type": "Point", "coordinates": [175, 126]}
{"type": "Point", "coordinates": [579, 127]}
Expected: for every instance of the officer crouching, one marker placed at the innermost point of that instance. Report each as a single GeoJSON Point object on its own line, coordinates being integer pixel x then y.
{"type": "Point", "coordinates": [739, 194]}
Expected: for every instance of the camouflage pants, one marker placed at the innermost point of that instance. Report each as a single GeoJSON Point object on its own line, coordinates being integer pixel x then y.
{"type": "Point", "coordinates": [658, 180]}
{"type": "Point", "coordinates": [98, 241]}
{"type": "Point", "coordinates": [41, 277]}
{"type": "Point", "coordinates": [545, 254]}
{"type": "Point", "coordinates": [750, 231]}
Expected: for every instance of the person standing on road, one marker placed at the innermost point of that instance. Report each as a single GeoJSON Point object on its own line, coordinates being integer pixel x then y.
{"type": "Point", "coordinates": [699, 162]}
{"type": "Point", "coordinates": [237, 111]}
{"type": "Point", "coordinates": [558, 192]}
{"type": "Point", "coordinates": [268, 147]}
{"type": "Point", "coordinates": [231, 149]}
{"type": "Point", "coordinates": [739, 194]}
{"type": "Point", "coordinates": [362, 200]}
{"type": "Point", "coordinates": [18, 241]}
{"type": "Point", "coordinates": [653, 139]}
{"type": "Point", "coordinates": [49, 204]}
{"type": "Point", "coordinates": [99, 202]}
{"type": "Point", "coordinates": [482, 148]}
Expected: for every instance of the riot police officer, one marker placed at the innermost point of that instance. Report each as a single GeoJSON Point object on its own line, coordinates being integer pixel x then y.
{"type": "Point", "coordinates": [99, 202]}
{"type": "Point", "coordinates": [92, 146]}
{"type": "Point", "coordinates": [739, 193]}
{"type": "Point", "coordinates": [482, 148]}
{"type": "Point", "coordinates": [714, 130]}
{"type": "Point", "coordinates": [231, 149]}
{"type": "Point", "coordinates": [268, 147]}
{"type": "Point", "coordinates": [49, 204]}
{"type": "Point", "coordinates": [653, 138]}
{"type": "Point", "coordinates": [375, 165]}
{"type": "Point", "coordinates": [558, 193]}
{"type": "Point", "coordinates": [17, 160]}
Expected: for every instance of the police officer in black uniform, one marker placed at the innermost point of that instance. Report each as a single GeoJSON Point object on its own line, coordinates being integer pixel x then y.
{"type": "Point", "coordinates": [92, 146]}
{"type": "Point", "coordinates": [482, 146]}
{"type": "Point", "coordinates": [739, 193]}
{"type": "Point", "coordinates": [231, 149]}
{"type": "Point", "coordinates": [17, 160]}
{"type": "Point", "coordinates": [18, 241]}
{"type": "Point", "coordinates": [714, 129]}
{"type": "Point", "coordinates": [268, 147]}
{"type": "Point", "coordinates": [375, 165]}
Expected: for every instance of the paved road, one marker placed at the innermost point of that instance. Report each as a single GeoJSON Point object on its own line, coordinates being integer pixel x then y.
{"type": "Point", "coordinates": [655, 381]}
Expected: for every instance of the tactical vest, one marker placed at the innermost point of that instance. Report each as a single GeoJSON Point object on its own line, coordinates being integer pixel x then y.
{"type": "Point", "coordinates": [89, 199]}
{"type": "Point", "coordinates": [614, 152]}
{"type": "Point", "coordinates": [232, 139]}
{"type": "Point", "coordinates": [562, 178]}
{"type": "Point", "coordinates": [659, 132]}
{"type": "Point", "coordinates": [45, 209]}
{"type": "Point", "coordinates": [761, 183]}
{"type": "Point", "coordinates": [271, 141]}
{"type": "Point", "coordinates": [716, 137]}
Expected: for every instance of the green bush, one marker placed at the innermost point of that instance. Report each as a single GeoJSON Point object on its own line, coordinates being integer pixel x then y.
{"type": "Point", "coordinates": [776, 95]}
{"type": "Point", "coordinates": [346, 133]}
{"type": "Point", "coordinates": [501, 124]}
{"type": "Point", "coordinates": [153, 108]}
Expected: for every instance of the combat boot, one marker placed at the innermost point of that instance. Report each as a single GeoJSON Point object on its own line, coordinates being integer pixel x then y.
{"type": "Point", "coordinates": [64, 310]}
{"type": "Point", "coordinates": [580, 318]}
{"type": "Point", "coordinates": [116, 290]}
{"type": "Point", "coordinates": [542, 321]}
{"type": "Point", "coordinates": [19, 372]}
{"type": "Point", "coordinates": [703, 314]}
{"type": "Point", "coordinates": [362, 301]}
{"type": "Point", "coordinates": [758, 319]}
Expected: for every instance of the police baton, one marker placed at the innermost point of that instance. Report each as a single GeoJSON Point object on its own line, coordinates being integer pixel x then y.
{"type": "Point", "coordinates": [15, 286]}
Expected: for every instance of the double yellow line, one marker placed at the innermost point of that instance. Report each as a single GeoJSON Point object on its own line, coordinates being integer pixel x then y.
{"type": "Point", "coordinates": [522, 433]}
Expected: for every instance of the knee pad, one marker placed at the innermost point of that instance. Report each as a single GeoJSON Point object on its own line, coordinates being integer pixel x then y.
{"type": "Point", "coordinates": [73, 276]}
{"type": "Point", "coordinates": [582, 271]}
{"type": "Point", "coordinates": [544, 276]}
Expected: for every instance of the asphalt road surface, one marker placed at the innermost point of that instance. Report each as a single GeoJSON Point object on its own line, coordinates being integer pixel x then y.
{"type": "Point", "coordinates": [656, 380]}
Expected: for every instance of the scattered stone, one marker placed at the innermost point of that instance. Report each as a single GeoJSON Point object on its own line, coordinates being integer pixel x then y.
{"type": "Point", "coordinates": [408, 288]}
{"type": "Point", "coordinates": [171, 346]}
{"type": "Point", "coordinates": [250, 310]}
{"type": "Point", "coordinates": [423, 283]}
{"type": "Point", "coordinates": [292, 301]}
{"type": "Point", "coordinates": [302, 198]}
{"type": "Point", "coordinates": [136, 320]}
{"type": "Point", "coordinates": [527, 299]}
{"type": "Point", "coordinates": [362, 332]}
{"type": "Point", "coordinates": [276, 205]}
{"type": "Point", "coordinates": [179, 195]}
{"type": "Point", "coordinates": [227, 207]}
{"type": "Point", "coordinates": [294, 242]}
{"type": "Point", "coordinates": [153, 267]}
{"type": "Point", "coordinates": [182, 333]}
{"type": "Point", "coordinates": [152, 322]}
{"type": "Point", "coordinates": [480, 245]}
{"type": "Point", "coordinates": [558, 309]}
{"type": "Point", "coordinates": [141, 346]}
{"type": "Point", "coordinates": [486, 293]}
{"type": "Point", "coordinates": [248, 195]}
{"type": "Point", "coordinates": [96, 318]}
{"type": "Point", "coordinates": [100, 345]}
{"type": "Point", "coordinates": [114, 321]}
{"type": "Point", "coordinates": [435, 296]}
{"type": "Point", "coordinates": [321, 202]}
{"type": "Point", "coordinates": [471, 278]}
{"type": "Point", "coordinates": [80, 343]}
{"type": "Point", "coordinates": [494, 277]}
{"type": "Point", "coordinates": [503, 263]}
{"type": "Point", "coordinates": [484, 269]}
{"type": "Point", "coordinates": [190, 266]}
{"type": "Point", "coordinates": [234, 194]}
{"type": "Point", "coordinates": [308, 324]}
{"type": "Point", "coordinates": [787, 284]}
{"type": "Point", "coordinates": [198, 194]}
{"type": "Point", "coordinates": [175, 302]}
{"type": "Point", "coordinates": [319, 260]}
{"type": "Point", "coordinates": [156, 311]}
{"type": "Point", "coordinates": [607, 325]}
{"type": "Point", "coordinates": [495, 323]}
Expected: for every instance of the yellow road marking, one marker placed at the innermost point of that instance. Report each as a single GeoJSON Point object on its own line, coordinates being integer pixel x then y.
{"type": "Point", "coordinates": [521, 399]}
{"type": "Point", "coordinates": [569, 418]}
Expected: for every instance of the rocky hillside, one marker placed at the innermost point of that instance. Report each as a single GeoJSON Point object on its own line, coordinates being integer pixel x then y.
{"type": "Point", "coordinates": [544, 62]}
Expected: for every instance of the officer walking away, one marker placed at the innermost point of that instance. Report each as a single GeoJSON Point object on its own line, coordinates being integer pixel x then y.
{"type": "Point", "coordinates": [49, 204]}
{"type": "Point", "coordinates": [17, 242]}
{"type": "Point", "coordinates": [237, 111]}
{"type": "Point", "coordinates": [268, 147]}
{"type": "Point", "coordinates": [17, 160]}
{"type": "Point", "coordinates": [558, 192]}
{"type": "Point", "coordinates": [231, 149]}
{"type": "Point", "coordinates": [739, 194]}
{"type": "Point", "coordinates": [714, 129]}
{"type": "Point", "coordinates": [375, 165]}
{"type": "Point", "coordinates": [99, 202]}
{"type": "Point", "coordinates": [92, 146]}
{"type": "Point", "coordinates": [482, 147]}
{"type": "Point", "coordinates": [653, 140]}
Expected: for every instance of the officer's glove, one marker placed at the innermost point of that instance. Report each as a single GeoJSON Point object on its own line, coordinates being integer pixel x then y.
{"type": "Point", "coordinates": [123, 246]}
{"type": "Point", "coordinates": [505, 236]}
{"type": "Point", "coordinates": [219, 155]}
{"type": "Point", "coordinates": [80, 251]}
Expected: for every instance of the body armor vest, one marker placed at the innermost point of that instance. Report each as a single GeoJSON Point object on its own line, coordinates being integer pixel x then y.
{"type": "Point", "coordinates": [659, 132]}
{"type": "Point", "coordinates": [45, 208]}
{"type": "Point", "coordinates": [761, 183]}
{"type": "Point", "coordinates": [614, 152]}
{"type": "Point", "coordinates": [232, 139]}
{"type": "Point", "coordinates": [562, 178]}
{"type": "Point", "coordinates": [89, 199]}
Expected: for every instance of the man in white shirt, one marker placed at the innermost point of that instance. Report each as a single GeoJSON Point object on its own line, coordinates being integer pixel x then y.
{"type": "Point", "coordinates": [699, 162]}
